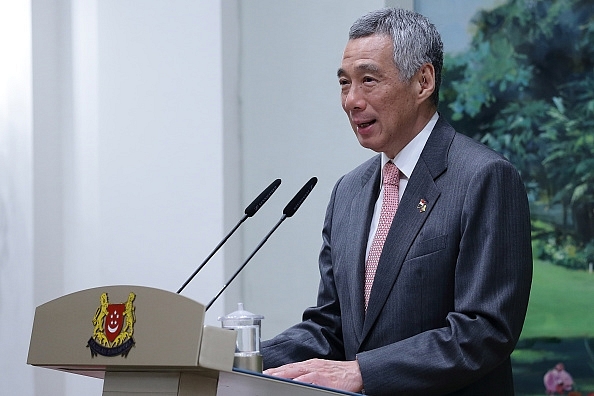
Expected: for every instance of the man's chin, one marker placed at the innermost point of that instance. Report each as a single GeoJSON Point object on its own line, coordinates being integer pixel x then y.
{"type": "Point", "coordinates": [368, 144]}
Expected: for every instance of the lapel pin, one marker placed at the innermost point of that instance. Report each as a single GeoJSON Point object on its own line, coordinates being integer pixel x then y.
{"type": "Point", "coordinates": [422, 206]}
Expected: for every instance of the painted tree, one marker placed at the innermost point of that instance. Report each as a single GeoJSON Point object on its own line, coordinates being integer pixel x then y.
{"type": "Point", "coordinates": [525, 87]}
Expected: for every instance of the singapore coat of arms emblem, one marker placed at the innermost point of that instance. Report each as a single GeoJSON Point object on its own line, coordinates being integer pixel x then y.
{"type": "Point", "coordinates": [113, 327]}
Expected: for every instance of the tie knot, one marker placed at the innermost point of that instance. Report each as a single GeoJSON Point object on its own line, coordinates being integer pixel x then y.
{"type": "Point", "coordinates": [391, 174]}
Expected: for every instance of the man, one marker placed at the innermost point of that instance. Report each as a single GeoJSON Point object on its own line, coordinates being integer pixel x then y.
{"type": "Point", "coordinates": [450, 290]}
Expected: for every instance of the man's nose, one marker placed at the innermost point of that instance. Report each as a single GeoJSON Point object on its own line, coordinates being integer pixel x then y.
{"type": "Point", "coordinates": [353, 99]}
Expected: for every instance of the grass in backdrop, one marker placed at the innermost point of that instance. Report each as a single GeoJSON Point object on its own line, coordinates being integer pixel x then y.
{"type": "Point", "coordinates": [561, 303]}
{"type": "Point", "coordinates": [559, 327]}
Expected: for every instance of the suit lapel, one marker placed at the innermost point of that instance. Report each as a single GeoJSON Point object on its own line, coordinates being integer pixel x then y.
{"type": "Point", "coordinates": [361, 212]}
{"type": "Point", "coordinates": [409, 218]}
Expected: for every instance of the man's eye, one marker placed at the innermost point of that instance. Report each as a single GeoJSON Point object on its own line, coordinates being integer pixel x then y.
{"type": "Point", "coordinates": [343, 81]}
{"type": "Point", "coordinates": [368, 79]}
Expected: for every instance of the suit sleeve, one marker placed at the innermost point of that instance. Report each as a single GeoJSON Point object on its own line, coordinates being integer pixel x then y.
{"type": "Point", "coordinates": [493, 272]}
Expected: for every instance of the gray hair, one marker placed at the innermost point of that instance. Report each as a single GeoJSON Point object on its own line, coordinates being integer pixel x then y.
{"type": "Point", "coordinates": [416, 40]}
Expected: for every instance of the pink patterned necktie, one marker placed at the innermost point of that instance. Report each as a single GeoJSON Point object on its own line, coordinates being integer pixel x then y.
{"type": "Point", "coordinates": [389, 207]}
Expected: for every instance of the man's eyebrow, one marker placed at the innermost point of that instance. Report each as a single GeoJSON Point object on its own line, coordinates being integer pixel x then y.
{"type": "Point", "coordinates": [363, 67]}
{"type": "Point", "coordinates": [370, 67]}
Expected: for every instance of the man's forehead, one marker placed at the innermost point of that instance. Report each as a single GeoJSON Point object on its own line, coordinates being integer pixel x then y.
{"type": "Point", "coordinates": [372, 42]}
{"type": "Point", "coordinates": [367, 54]}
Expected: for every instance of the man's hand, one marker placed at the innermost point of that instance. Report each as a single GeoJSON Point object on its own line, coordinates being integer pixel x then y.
{"type": "Point", "coordinates": [329, 373]}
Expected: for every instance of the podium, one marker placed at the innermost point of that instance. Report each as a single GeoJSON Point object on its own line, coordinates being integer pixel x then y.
{"type": "Point", "coordinates": [142, 340]}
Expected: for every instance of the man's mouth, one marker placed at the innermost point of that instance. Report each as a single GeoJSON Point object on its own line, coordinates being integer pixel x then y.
{"type": "Point", "coordinates": [364, 125]}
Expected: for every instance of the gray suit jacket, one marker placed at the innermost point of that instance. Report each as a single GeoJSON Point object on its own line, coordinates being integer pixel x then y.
{"type": "Point", "coordinates": [452, 285]}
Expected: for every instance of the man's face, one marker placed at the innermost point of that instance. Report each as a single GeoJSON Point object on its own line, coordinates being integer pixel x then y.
{"type": "Point", "coordinates": [382, 109]}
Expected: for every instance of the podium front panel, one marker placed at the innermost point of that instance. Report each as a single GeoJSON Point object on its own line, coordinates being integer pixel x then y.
{"type": "Point", "coordinates": [167, 330]}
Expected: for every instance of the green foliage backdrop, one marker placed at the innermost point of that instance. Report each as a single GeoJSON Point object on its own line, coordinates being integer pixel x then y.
{"type": "Point", "coordinates": [525, 87]}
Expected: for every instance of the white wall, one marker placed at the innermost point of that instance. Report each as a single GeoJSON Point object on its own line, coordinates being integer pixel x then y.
{"type": "Point", "coordinates": [293, 128]}
{"type": "Point", "coordinates": [112, 160]}
{"type": "Point", "coordinates": [16, 239]}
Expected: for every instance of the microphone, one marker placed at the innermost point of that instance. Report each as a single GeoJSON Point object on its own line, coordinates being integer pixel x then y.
{"type": "Point", "coordinates": [288, 211]}
{"type": "Point", "coordinates": [250, 210]}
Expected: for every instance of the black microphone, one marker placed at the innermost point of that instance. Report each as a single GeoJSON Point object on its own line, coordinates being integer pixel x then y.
{"type": "Point", "coordinates": [249, 212]}
{"type": "Point", "coordinates": [298, 199]}
{"type": "Point", "coordinates": [289, 211]}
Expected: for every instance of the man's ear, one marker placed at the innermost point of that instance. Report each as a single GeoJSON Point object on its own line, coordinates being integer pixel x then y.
{"type": "Point", "coordinates": [425, 78]}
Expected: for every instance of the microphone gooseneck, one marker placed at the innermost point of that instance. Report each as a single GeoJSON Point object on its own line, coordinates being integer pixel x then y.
{"type": "Point", "coordinates": [289, 211]}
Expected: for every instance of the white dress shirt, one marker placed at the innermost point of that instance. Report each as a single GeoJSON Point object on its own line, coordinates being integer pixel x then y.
{"type": "Point", "coordinates": [405, 160]}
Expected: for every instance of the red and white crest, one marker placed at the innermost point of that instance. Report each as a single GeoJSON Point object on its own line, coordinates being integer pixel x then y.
{"type": "Point", "coordinates": [113, 327]}
{"type": "Point", "coordinates": [114, 320]}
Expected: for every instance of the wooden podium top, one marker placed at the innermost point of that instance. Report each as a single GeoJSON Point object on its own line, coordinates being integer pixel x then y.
{"type": "Point", "coordinates": [125, 328]}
